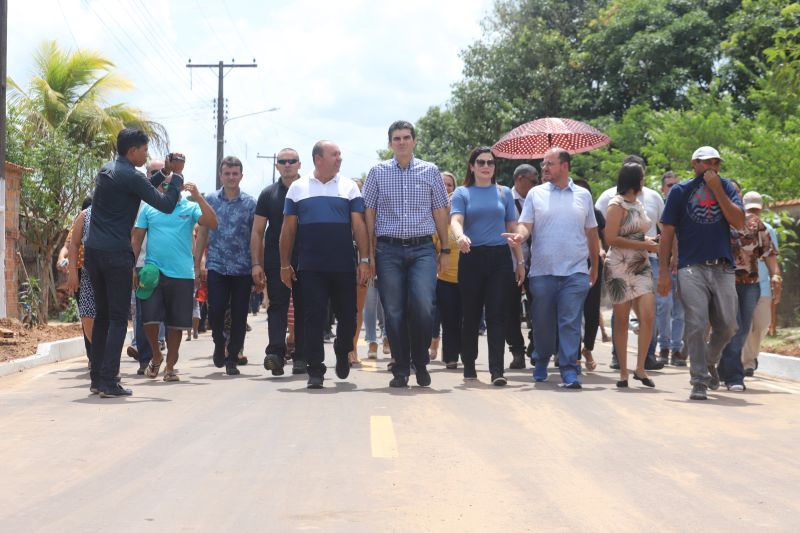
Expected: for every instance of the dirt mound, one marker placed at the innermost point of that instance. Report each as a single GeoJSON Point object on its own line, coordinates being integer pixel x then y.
{"type": "Point", "coordinates": [24, 342]}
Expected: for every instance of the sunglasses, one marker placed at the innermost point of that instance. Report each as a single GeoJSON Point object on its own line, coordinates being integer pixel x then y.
{"type": "Point", "coordinates": [287, 161]}
{"type": "Point", "coordinates": [484, 162]}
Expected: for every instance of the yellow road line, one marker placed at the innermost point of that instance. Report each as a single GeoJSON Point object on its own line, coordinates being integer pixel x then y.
{"type": "Point", "coordinates": [370, 365]}
{"type": "Point", "coordinates": [384, 444]}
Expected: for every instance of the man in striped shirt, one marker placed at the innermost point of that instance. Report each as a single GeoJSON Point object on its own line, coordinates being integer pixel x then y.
{"type": "Point", "coordinates": [405, 203]}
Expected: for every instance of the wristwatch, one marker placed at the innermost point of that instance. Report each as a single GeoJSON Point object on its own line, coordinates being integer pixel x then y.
{"type": "Point", "coordinates": [444, 251]}
{"type": "Point", "coordinates": [364, 260]}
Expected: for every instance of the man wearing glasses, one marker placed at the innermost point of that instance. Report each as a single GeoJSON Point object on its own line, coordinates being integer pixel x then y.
{"type": "Point", "coordinates": [559, 216]}
{"type": "Point", "coordinates": [266, 260]}
{"type": "Point", "coordinates": [700, 213]}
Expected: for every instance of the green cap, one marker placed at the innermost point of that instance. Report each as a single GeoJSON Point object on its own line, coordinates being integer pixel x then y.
{"type": "Point", "coordinates": [148, 281]}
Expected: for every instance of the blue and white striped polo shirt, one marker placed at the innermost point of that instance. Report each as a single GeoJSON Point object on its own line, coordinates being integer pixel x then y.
{"type": "Point", "coordinates": [324, 240]}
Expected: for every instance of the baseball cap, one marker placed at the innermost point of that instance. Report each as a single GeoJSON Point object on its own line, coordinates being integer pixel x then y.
{"type": "Point", "coordinates": [148, 281]}
{"type": "Point", "coordinates": [706, 152]}
{"type": "Point", "coordinates": [752, 200]}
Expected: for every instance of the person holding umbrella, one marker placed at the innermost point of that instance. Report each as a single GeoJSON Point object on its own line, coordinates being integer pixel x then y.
{"type": "Point", "coordinates": [480, 212]}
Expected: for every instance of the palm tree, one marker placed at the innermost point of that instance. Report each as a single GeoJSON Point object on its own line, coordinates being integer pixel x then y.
{"type": "Point", "coordinates": [71, 91]}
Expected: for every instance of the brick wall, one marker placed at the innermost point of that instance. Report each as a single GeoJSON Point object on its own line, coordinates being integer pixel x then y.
{"type": "Point", "coordinates": [11, 285]}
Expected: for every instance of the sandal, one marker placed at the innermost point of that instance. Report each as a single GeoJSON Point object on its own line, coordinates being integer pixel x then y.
{"type": "Point", "coordinates": [171, 375]}
{"type": "Point", "coordinates": [152, 370]}
{"type": "Point", "coordinates": [353, 357]}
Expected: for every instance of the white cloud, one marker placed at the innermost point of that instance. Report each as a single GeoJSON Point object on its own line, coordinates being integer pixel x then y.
{"type": "Point", "coordinates": [338, 70]}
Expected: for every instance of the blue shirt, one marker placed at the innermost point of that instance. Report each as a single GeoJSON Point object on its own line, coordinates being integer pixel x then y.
{"type": "Point", "coordinates": [324, 237]}
{"type": "Point", "coordinates": [486, 211]}
{"type": "Point", "coordinates": [702, 231]}
{"type": "Point", "coordinates": [560, 218]}
{"type": "Point", "coordinates": [229, 244]}
{"type": "Point", "coordinates": [169, 238]}
{"type": "Point", "coordinates": [404, 198]}
{"type": "Point", "coordinates": [763, 272]}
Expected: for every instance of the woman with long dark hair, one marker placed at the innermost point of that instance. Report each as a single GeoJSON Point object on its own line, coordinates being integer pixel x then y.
{"type": "Point", "coordinates": [480, 212]}
{"type": "Point", "coordinates": [628, 276]}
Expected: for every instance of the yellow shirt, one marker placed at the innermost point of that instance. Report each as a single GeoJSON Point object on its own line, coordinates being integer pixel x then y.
{"type": "Point", "coordinates": [451, 274]}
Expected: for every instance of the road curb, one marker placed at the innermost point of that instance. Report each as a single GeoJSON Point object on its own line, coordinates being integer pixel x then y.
{"type": "Point", "coordinates": [782, 366]}
{"type": "Point", "coordinates": [49, 352]}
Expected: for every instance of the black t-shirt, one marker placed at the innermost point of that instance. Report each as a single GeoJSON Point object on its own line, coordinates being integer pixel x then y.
{"type": "Point", "coordinates": [270, 206]}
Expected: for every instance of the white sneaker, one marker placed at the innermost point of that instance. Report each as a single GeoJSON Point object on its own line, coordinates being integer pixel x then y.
{"type": "Point", "coordinates": [736, 388]}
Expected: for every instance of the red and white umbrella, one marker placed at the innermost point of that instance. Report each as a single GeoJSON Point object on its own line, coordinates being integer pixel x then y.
{"type": "Point", "coordinates": [532, 139]}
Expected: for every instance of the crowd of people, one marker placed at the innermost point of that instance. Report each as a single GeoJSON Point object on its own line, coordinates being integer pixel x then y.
{"type": "Point", "coordinates": [432, 262]}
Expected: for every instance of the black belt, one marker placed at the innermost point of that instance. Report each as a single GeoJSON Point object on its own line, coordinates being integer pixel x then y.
{"type": "Point", "coordinates": [717, 261]}
{"type": "Point", "coordinates": [411, 241]}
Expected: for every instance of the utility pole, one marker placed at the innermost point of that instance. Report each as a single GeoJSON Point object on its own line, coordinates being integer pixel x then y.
{"type": "Point", "coordinates": [3, 69]}
{"type": "Point", "coordinates": [274, 158]}
{"type": "Point", "coordinates": [220, 114]}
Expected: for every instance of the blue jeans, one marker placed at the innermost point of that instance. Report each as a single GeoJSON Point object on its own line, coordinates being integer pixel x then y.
{"type": "Point", "coordinates": [669, 323]}
{"type": "Point", "coordinates": [407, 276]}
{"type": "Point", "coordinates": [557, 305]}
{"type": "Point", "coordinates": [373, 314]}
{"type": "Point", "coordinates": [731, 370]}
{"type": "Point", "coordinates": [111, 274]}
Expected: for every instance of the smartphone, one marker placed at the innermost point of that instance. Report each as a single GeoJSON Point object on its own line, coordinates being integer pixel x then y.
{"type": "Point", "coordinates": [176, 157]}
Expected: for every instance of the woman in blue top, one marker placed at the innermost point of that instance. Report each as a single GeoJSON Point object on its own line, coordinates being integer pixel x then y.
{"type": "Point", "coordinates": [480, 211]}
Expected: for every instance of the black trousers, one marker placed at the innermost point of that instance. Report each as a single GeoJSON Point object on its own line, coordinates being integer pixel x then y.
{"type": "Point", "coordinates": [111, 274]}
{"type": "Point", "coordinates": [514, 338]}
{"type": "Point", "coordinates": [318, 289]}
{"type": "Point", "coordinates": [591, 311]}
{"type": "Point", "coordinates": [221, 290]}
{"type": "Point", "coordinates": [484, 277]}
{"type": "Point", "coordinates": [278, 312]}
{"type": "Point", "coordinates": [448, 303]}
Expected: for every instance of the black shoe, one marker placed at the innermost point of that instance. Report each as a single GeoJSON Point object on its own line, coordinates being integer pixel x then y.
{"type": "Point", "coordinates": [452, 365]}
{"type": "Point", "coordinates": [622, 384]}
{"type": "Point", "coordinates": [647, 382]}
{"type": "Point", "coordinates": [663, 356]}
{"type": "Point", "coordinates": [274, 363]}
{"type": "Point", "coordinates": [678, 359]}
{"type": "Point", "coordinates": [499, 380]}
{"type": "Point", "coordinates": [399, 382]}
{"type": "Point", "coordinates": [142, 368]}
{"type": "Point", "coordinates": [115, 391]}
{"type": "Point", "coordinates": [698, 392]}
{"type": "Point", "coordinates": [231, 370]}
{"type": "Point", "coordinates": [219, 357]}
{"type": "Point", "coordinates": [575, 385]}
{"type": "Point", "coordinates": [342, 367]}
{"type": "Point", "coordinates": [713, 384]}
{"type": "Point", "coordinates": [749, 372]}
{"type": "Point", "coordinates": [518, 361]}
{"type": "Point", "coordinates": [299, 366]}
{"type": "Point", "coordinates": [314, 382]}
{"type": "Point", "coordinates": [423, 377]}
{"type": "Point", "coordinates": [469, 371]}
{"type": "Point", "coordinates": [614, 365]}
{"type": "Point", "coordinates": [649, 364]}
{"type": "Point", "coordinates": [94, 388]}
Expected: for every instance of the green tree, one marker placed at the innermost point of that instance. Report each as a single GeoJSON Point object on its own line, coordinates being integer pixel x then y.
{"type": "Point", "coordinates": [70, 92]}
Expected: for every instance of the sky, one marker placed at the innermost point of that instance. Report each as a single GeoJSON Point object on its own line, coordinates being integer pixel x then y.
{"type": "Point", "coordinates": [340, 70]}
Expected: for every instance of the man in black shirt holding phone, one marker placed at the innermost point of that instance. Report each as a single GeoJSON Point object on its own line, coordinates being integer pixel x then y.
{"type": "Point", "coordinates": [119, 188]}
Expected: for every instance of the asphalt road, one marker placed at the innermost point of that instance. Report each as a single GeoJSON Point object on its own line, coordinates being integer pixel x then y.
{"type": "Point", "coordinates": [257, 453]}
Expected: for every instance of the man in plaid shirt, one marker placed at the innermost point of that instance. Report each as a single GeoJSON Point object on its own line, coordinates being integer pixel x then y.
{"type": "Point", "coordinates": [405, 203]}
